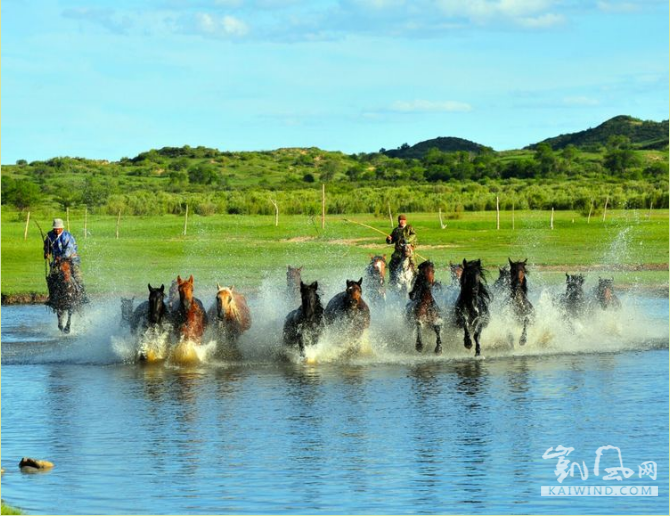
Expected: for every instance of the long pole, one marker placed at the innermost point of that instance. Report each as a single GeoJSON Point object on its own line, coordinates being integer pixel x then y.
{"type": "Point", "coordinates": [44, 239]}
{"type": "Point", "coordinates": [118, 221]}
{"type": "Point", "coordinates": [551, 223]}
{"type": "Point", "coordinates": [186, 220]}
{"type": "Point", "coordinates": [512, 216]}
{"type": "Point", "coordinates": [378, 231]}
{"type": "Point", "coordinates": [588, 221]}
{"type": "Point", "coordinates": [390, 215]}
{"type": "Point", "coordinates": [323, 205]}
{"type": "Point", "coordinates": [25, 233]}
{"type": "Point", "coordinates": [605, 210]}
{"type": "Point", "coordinates": [497, 213]}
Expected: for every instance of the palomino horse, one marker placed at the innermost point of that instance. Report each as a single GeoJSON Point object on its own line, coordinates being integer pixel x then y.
{"type": "Point", "coordinates": [151, 313]}
{"type": "Point", "coordinates": [229, 315]}
{"type": "Point", "coordinates": [375, 278]}
{"type": "Point", "coordinates": [403, 271]}
{"type": "Point", "coordinates": [422, 309]}
{"type": "Point", "coordinates": [522, 307]}
{"type": "Point", "coordinates": [65, 296]}
{"type": "Point", "coordinates": [303, 326]}
{"type": "Point", "coordinates": [349, 310]}
{"type": "Point", "coordinates": [293, 283]}
{"type": "Point", "coordinates": [191, 317]}
{"type": "Point", "coordinates": [605, 295]}
{"type": "Point", "coordinates": [573, 301]}
{"type": "Point", "coordinates": [472, 305]}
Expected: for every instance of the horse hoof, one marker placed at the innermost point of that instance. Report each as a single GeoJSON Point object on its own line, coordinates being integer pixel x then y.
{"type": "Point", "coordinates": [66, 329]}
{"type": "Point", "coordinates": [438, 350]}
{"type": "Point", "coordinates": [468, 345]}
{"type": "Point", "coordinates": [522, 342]}
{"type": "Point", "coordinates": [419, 347]}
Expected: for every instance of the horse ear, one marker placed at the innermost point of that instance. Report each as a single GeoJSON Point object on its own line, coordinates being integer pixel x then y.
{"type": "Point", "coordinates": [231, 288]}
{"type": "Point", "coordinates": [149, 285]}
{"type": "Point", "coordinates": [371, 255]}
{"type": "Point", "coordinates": [218, 287]}
{"type": "Point", "coordinates": [465, 262]}
{"type": "Point", "coordinates": [300, 268]}
{"type": "Point", "coordinates": [360, 281]}
{"type": "Point", "coordinates": [190, 280]}
{"type": "Point", "coordinates": [384, 256]}
{"type": "Point", "coordinates": [162, 289]}
{"type": "Point", "coordinates": [525, 261]}
{"type": "Point", "coordinates": [179, 280]}
{"type": "Point", "coordinates": [567, 275]}
{"type": "Point", "coordinates": [315, 285]}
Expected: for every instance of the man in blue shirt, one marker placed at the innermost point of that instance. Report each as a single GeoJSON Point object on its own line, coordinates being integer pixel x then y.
{"type": "Point", "coordinates": [61, 245]}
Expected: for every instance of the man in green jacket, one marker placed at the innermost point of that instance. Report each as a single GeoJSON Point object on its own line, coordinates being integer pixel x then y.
{"type": "Point", "coordinates": [402, 235]}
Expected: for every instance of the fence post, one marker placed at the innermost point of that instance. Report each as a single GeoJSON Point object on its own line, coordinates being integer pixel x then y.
{"type": "Point", "coordinates": [186, 220]}
{"type": "Point", "coordinates": [67, 217]}
{"type": "Point", "coordinates": [323, 205]}
{"type": "Point", "coordinates": [605, 210]}
{"type": "Point", "coordinates": [512, 216]}
{"type": "Point", "coordinates": [118, 221]}
{"type": "Point", "coordinates": [274, 203]}
{"type": "Point", "coordinates": [588, 221]}
{"type": "Point", "coordinates": [551, 223]}
{"type": "Point", "coordinates": [497, 213]}
{"type": "Point", "coordinates": [390, 215]}
{"type": "Point", "coordinates": [25, 233]}
{"type": "Point", "coordinates": [442, 224]}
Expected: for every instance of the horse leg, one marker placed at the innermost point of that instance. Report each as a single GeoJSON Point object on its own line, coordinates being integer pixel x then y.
{"type": "Point", "coordinates": [419, 344]}
{"type": "Point", "coordinates": [301, 346]}
{"type": "Point", "coordinates": [522, 340]}
{"type": "Point", "coordinates": [467, 342]}
{"type": "Point", "coordinates": [69, 320]}
{"type": "Point", "coordinates": [478, 332]}
{"type": "Point", "coordinates": [438, 342]}
{"type": "Point", "coordinates": [59, 315]}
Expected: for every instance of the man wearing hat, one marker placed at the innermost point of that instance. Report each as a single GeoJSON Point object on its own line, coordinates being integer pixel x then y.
{"type": "Point", "coordinates": [61, 245]}
{"type": "Point", "coordinates": [403, 234]}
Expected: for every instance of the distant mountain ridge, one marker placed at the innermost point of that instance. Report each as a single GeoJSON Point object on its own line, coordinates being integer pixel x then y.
{"type": "Point", "coordinates": [643, 134]}
{"type": "Point", "coordinates": [443, 143]}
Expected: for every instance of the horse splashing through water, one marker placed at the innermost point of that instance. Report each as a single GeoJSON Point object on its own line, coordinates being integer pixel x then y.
{"type": "Point", "coordinates": [303, 326]}
{"type": "Point", "coordinates": [422, 310]}
{"type": "Point", "coordinates": [521, 306]}
{"type": "Point", "coordinates": [151, 313]}
{"type": "Point", "coordinates": [573, 301]}
{"type": "Point", "coordinates": [472, 305]}
{"type": "Point", "coordinates": [375, 278]}
{"type": "Point", "coordinates": [293, 275]}
{"type": "Point", "coordinates": [403, 270]}
{"type": "Point", "coordinates": [65, 296]}
{"type": "Point", "coordinates": [349, 310]}
{"type": "Point", "coordinates": [191, 317]}
{"type": "Point", "coordinates": [503, 283]}
{"type": "Point", "coordinates": [605, 296]}
{"type": "Point", "coordinates": [229, 315]}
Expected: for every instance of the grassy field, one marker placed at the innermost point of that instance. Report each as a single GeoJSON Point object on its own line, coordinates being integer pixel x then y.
{"type": "Point", "coordinates": [630, 245]}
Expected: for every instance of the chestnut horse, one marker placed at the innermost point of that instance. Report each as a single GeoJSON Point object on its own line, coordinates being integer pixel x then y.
{"type": "Point", "coordinates": [605, 295]}
{"type": "Point", "coordinates": [229, 315]}
{"type": "Point", "coordinates": [523, 309]}
{"type": "Point", "coordinates": [422, 309]}
{"type": "Point", "coordinates": [348, 309]}
{"type": "Point", "coordinates": [375, 278]}
{"type": "Point", "coordinates": [191, 317]}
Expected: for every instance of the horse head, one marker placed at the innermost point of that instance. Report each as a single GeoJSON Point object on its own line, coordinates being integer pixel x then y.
{"type": "Point", "coordinates": [156, 303]}
{"type": "Point", "coordinates": [574, 283]}
{"type": "Point", "coordinates": [225, 302]}
{"type": "Point", "coordinates": [473, 274]}
{"type": "Point", "coordinates": [406, 249]}
{"type": "Point", "coordinates": [427, 273]}
{"type": "Point", "coordinates": [378, 265]}
{"type": "Point", "coordinates": [185, 288]}
{"type": "Point", "coordinates": [518, 274]}
{"type": "Point", "coordinates": [456, 271]}
{"type": "Point", "coordinates": [354, 292]}
{"type": "Point", "coordinates": [605, 291]}
{"type": "Point", "coordinates": [311, 303]}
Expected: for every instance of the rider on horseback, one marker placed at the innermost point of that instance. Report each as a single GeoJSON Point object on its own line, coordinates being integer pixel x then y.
{"type": "Point", "coordinates": [402, 235]}
{"type": "Point", "coordinates": [61, 246]}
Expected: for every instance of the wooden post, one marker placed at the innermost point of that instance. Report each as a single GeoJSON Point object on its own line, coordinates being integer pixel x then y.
{"type": "Point", "coordinates": [512, 216]}
{"type": "Point", "coordinates": [67, 218]}
{"type": "Point", "coordinates": [186, 220]}
{"type": "Point", "coordinates": [442, 224]}
{"type": "Point", "coordinates": [25, 233]}
{"type": "Point", "coordinates": [274, 203]}
{"type": "Point", "coordinates": [551, 223]}
{"type": "Point", "coordinates": [390, 216]}
{"type": "Point", "coordinates": [605, 210]}
{"type": "Point", "coordinates": [86, 222]}
{"type": "Point", "coordinates": [118, 221]}
{"type": "Point", "coordinates": [323, 205]}
{"type": "Point", "coordinates": [497, 213]}
{"type": "Point", "coordinates": [588, 221]}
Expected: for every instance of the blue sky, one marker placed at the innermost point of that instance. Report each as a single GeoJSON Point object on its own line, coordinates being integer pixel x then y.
{"type": "Point", "coordinates": [108, 79]}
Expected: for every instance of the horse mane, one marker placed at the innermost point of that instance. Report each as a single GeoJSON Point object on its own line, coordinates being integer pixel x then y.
{"type": "Point", "coordinates": [420, 283]}
{"type": "Point", "coordinates": [467, 279]}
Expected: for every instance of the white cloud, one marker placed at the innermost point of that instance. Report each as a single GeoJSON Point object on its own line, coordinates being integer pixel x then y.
{"type": "Point", "coordinates": [618, 7]}
{"type": "Point", "coordinates": [226, 26]}
{"type": "Point", "coordinates": [428, 106]}
{"type": "Point", "coordinates": [524, 13]}
{"type": "Point", "coordinates": [580, 101]}
{"type": "Point", "coordinates": [541, 22]}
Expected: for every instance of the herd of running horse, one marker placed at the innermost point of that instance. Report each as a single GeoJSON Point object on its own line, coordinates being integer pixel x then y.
{"type": "Point", "coordinates": [427, 303]}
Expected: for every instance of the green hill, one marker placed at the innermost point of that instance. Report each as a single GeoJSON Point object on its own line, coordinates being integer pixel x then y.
{"type": "Point", "coordinates": [444, 144]}
{"type": "Point", "coordinates": [643, 134]}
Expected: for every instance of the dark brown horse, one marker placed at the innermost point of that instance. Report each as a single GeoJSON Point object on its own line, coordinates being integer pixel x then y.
{"type": "Point", "coordinates": [605, 295]}
{"type": "Point", "coordinates": [472, 305]}
{"type": "Point", "coordinates": [191, 317]}
{"type": "Point", "coordinates": [502, 284]}
{"type": "Point", "coordinates": [303, 326]}
{"type": "Point", "coordinates": [293, 275]}
{"type": "Point", "coordinates": [573, 301]}
{"type": "Point", "coordinates": [522, 307]}
{"type": "Point", "coordinates": [229, 315]}
{"type": "Point", "coordinates": [348, 310]}
{"type": "Point", "coordinates": [65, 295]}
{"type": "Point", "coordinates": [151, 313]}
{"type": "Point", "coordinates": [422, 309]}
{"type": "Point", "coordinates": [375, 278]}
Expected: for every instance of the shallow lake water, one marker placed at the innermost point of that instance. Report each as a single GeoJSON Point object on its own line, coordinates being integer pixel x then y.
{"type": "Point", "coordinates": [382, 431]}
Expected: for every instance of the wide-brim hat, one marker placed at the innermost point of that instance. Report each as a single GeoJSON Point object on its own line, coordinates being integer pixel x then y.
{"type": "Point", "coordinates": [58, 224]}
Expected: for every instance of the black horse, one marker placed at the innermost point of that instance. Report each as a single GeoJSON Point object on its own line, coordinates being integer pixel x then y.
{"type": "Point", "coordinates": [472, 306]}
{"type": "Point", "coordinates": [349, 310]}
{"type": "Point", "coordinates": [303, 326]}
{"type": "Point", "coordinates": [605, 296]}
{"type": "Point", "coordinates": [65, 294]}
{"type": "Point", "coordinates": [151, 313]}
{"type": "Point", "coordinates": [422, 308]}
{"type": "Point", "coordinates": [375, 278]}
{"type": "Point", "coordinates": [522, 307]}
{"type": "Point", "coordinates": [502, 284]}
{"type": "Point", "coordinates": [573, 301]}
